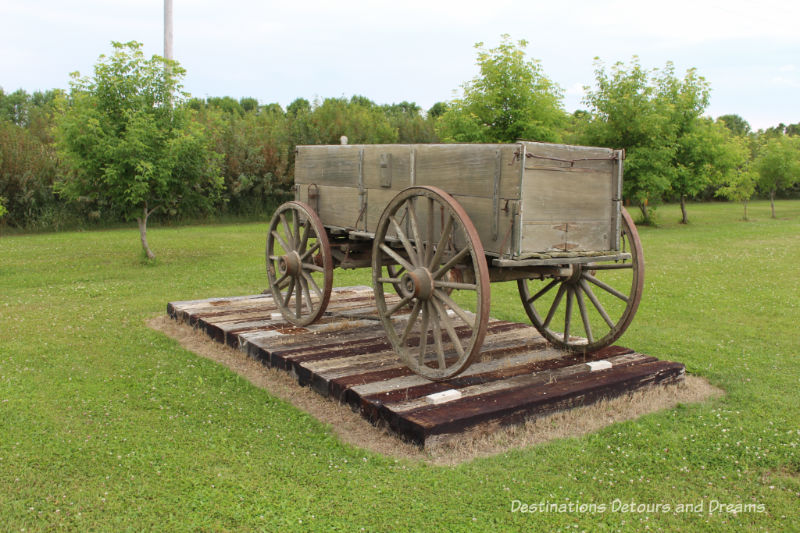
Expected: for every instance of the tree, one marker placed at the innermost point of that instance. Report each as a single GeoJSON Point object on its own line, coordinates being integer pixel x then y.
{"type": "Point", "coordinates": [740, 184]}
{"type": "Point", "coordinates": [655, 117]}
{"type": "Point", "coordinates": [707, 155]}
{"type": "Point", "coordinates": [778, 165]}
{"type": "Point", "coordinates": [736, 124]}
{"type": "Point", "coordinates": [131, 145]}
{"type": "Point", "coordinates": [625, 112]}
{"type": "Point", "coordinates": [511, 99]}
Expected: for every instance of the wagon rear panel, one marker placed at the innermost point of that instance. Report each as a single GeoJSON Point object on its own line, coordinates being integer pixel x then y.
{"type": "Point", "coordinates": [570, 199]}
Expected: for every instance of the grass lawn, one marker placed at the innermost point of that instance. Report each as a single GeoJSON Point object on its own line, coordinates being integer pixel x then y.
{"type": "Point", "coordinates": [108, 425]}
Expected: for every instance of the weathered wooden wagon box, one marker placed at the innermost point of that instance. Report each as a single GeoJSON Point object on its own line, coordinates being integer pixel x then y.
{"type": "Point", "coordinates": [526, 199]}
{"type": "Point", "coordinates": [437, 223]}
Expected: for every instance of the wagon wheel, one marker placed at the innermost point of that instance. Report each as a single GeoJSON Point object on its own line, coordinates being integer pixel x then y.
{"type": "Point", "coordinates": [299, 263]}
{"type": "Point", "coordinates": [424, 231]}
{"type": "Point", "coordinates": [613, 290]}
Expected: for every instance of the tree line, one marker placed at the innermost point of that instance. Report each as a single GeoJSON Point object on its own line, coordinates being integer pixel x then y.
{"type": "Point", "coordinates": [126, 142]}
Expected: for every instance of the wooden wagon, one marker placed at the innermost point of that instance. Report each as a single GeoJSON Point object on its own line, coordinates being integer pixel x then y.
{"type": "Point", "coordinates": [438, 223]}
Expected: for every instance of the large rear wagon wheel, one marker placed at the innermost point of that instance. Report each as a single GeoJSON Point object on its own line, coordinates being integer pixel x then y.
{"type": "Point", "coordinates": [424, 241]}
{"type": "Point", "coordinates": [299, 263]}
{"type": "Point", "coordinates": [591, 307]}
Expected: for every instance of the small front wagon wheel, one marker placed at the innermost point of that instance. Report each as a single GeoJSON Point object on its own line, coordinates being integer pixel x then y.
{"type": "Point", "coordinates": [299, 263]}
{"type": "Point", "coordinates": [594, 304]}
{"type": "Point", "coordinates": [427, 247]}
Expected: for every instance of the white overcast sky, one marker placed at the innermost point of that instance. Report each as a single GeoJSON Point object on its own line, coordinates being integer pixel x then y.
{"type": "Point", "coordinates": [415, 50]}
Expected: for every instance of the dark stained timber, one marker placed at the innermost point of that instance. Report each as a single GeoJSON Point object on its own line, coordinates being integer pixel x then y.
{"type": "Point", "coordinates": [346, 356]}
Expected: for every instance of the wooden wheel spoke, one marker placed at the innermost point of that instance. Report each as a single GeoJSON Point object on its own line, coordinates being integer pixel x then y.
{"type": "Point", "coordinates": [448, 326]}
{"type": "Point", "coordinates": [597, 305]}
{"type": "Point", "coordinates": [454, 306]}
{"type": "Point", "coordinates": [298, 297]}
{"type": "Point", "coordinates": [568, 314]}
{"type": "Point", "coordinates": [447, 228]}
{"type": "Point", "coordinates": [423, 334]}
{"type": "Point", "coordinates": [307, 292]}
{"type": "Point", "coordinates": [389, 280]}
{"type": "Point", "coordinates": [584, 314]}
{"type": "Point", "coordinates": [288, 230]}
{"type": "Point", "coordinates": [412, 253]}
{"type": "Point", "coordinates": [419, 245]}
{"type": "Point", "coordinates": [429, 238]}
{"type": "Point", "coordinates": [456, 286]}
{"type": "Point", "coordinates": [309, 251]}
{"type": "Point", "coordinates": [296, 229]}
{"type": "Point", "coordinates": [280, 282]}
{"type": "Point", "coordinates": [412, 318]}
{"type": "Point", "coordinates": [397, 257]}
{"type": "Point", "coordinates": [451, 263]}
{"type": "Point", "coordinates": [289, 292]}
{"type": "Point", "coordinates": [437, 340]}
{"type": "Point", "coordinates": [392, 310]}
{"type": "Point", "coordinates": [313, 284]}
{"type": "Point", "coordinates": [312, 266]}
{"type": "Point", "coordinates": [279, 238]}
{"type": "Point", "coordinates": [304, 242]}
{"type": "Point", "coordinates": [542, 291]}
{"type": "Point", "coordinates": [605, 287]}
{"type": "Point", "coordinates": [554, 306]}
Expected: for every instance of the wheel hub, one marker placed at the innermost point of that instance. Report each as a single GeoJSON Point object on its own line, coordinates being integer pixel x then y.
{"type": "Point", "coordinates": [289, 264]}
{"type": "Point", "coordinates": [417, 283]}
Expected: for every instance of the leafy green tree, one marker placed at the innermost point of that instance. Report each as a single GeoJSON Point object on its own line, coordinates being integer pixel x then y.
{"type": "Point", "coordinates": [248, 104]}
{"type": "Point", "coordinates": [437, 110]}
{"type": "Point", "coordinates": [778, 165]}
{"type": "Point", "coordinates": [511, 99]}
{"type": "Point", "coordinates": [411, 126]}
{"type": "Point", "coordinates": [28, 168]}
{"type": "Point", "coordinates": [130, 143]}
{"type": "Point", "coordinates": [626, 112]}
{"type": "Point", "coordinates": [736, 124]}
{"type": "Point", "coordinates": [655, 116]}
{"type": "Point", "coordinates": [359, 119]}
{"type": "Point", "coordinates": [739, 185]}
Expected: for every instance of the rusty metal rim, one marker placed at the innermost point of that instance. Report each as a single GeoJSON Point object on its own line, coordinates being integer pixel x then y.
{"type": "Point", "coordinates": [323, 256]}
{"type": "Point", "coordinates": [479, 266]}
{"type": "Point", "coordinates": [565, 286]}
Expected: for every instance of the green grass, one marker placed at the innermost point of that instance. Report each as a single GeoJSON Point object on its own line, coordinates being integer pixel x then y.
{"type": "Point", "coordinates": [108, 425]}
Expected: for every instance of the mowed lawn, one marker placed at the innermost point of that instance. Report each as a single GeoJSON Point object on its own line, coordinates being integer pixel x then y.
{"type": "Point", "coordinates": [107, 425]}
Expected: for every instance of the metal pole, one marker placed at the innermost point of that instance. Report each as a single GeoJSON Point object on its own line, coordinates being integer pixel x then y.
{"type": "Point", "coordinates": [168, 29]}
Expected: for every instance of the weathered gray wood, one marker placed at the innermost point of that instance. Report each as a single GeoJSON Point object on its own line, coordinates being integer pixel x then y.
{"type": "Point", "coordinates": [567, 236]}
{"type": "Point", "coordinates": [336, 206]}
{"type": "Point", "coordinates": [568, 194]}
{"type": "Point", "coordinates": [575, 188]}
{"type": "Point", "coordinates": [387, 166]}
{"type": "Point", "coordinates": [335, 165]}
{"type": "Point", "coordinates": [468, 169]}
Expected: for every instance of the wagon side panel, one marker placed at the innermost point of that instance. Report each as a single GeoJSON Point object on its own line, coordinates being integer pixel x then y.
{"type": "Point", "coordinates": [329, 179]}
{"type": "Point", "coordinates": [484, 179]}
{"type": "Point", "coordinates": [570, 199]}
{"type": "Point", "coordinates": [388, 169]}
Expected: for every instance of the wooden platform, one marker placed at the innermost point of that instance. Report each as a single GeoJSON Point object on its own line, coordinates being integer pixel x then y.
{"type": "Point", "coordinates": [346, 356]}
